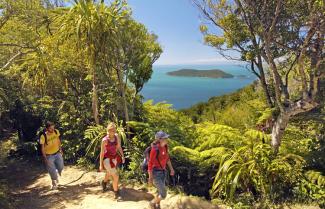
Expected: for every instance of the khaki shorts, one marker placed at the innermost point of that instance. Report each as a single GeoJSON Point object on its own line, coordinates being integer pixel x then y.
{"type": "Point", "coordinates": [108, 167]}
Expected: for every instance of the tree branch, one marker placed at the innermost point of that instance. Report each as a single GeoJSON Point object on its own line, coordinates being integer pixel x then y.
{"type": "Point", "coordinates": [289, 70]}
{"type": "Point", "coordinates": [310, 34]}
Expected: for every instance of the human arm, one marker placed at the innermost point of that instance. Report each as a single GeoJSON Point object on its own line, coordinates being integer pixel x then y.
{"type": "Point", "coordinates": [60, 146]}
{"type": "Point", "coordinates": [152, 156]}
{"type": "Point", "coordinates": [59, 141]}
{"type": "Point", "coordinates": [42, 142]}
{"type": "Point", "coordinates": [119, 149]}
{"type": "Point", "coordinates": [101, 156]}
{"type": "Point", "coordinates": [170, 166]}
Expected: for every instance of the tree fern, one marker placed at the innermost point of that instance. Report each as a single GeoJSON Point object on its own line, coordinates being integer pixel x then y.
{"type": "Point", "coordinates": [215, 135]}
{"type": "Point", "coordinates": [255, 167]}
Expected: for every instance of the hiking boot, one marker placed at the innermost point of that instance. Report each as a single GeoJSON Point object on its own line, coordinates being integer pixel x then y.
{"type": "Point", "coordinates": [104, 185]}
{"type": "Point", "coordinates": [153, 205]}
{"type": "Point", "coordinates": [117, 196]}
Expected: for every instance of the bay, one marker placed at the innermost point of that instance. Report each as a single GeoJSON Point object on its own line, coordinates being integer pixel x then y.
{"type": "Point", "coordinates": [183, 92]}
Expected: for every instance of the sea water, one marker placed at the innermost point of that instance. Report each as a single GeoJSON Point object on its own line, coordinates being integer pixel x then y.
{"type": "Point", "coordinates": [183, 92]}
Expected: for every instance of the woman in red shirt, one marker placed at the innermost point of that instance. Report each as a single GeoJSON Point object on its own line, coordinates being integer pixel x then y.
{"type": "Point", "coordinates": [158, 160]}
{"type": "Point", "coordinates": [110, 153]}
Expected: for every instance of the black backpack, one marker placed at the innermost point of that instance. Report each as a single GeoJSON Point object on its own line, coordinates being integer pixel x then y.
{"type": "Point", "coordinates": [146, 153]}
{"type": "Point", "coordinates": [40, 134]}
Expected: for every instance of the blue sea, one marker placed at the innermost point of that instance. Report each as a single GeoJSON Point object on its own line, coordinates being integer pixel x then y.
{"type": "Point", "coordinates": [183, 92]}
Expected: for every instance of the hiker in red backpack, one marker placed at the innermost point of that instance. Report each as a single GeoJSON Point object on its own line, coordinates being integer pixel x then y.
{"type": "Point", "coordinates": [158, 160]}
{"type": "Point", "coordinates": [111, 155]}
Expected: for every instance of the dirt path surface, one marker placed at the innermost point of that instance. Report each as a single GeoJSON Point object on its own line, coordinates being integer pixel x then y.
{"type": "Point", "coordinates": [30, 189]}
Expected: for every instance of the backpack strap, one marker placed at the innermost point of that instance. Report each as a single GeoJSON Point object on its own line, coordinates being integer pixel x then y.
{"type": "Point", "coordinates": [45, 137]}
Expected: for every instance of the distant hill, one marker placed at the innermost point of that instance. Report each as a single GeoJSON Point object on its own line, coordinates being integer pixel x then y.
{"type": "Point", "coordinates": [201, 73]}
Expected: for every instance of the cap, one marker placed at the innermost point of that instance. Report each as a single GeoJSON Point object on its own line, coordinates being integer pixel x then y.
{"type": "Point", "coordinates": [161, 135]}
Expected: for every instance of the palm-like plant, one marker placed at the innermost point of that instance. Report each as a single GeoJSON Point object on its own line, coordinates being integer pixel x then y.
{"type": "Point", "coordinates": [95, 26]}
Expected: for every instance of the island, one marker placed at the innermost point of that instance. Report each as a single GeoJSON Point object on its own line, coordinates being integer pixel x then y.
{"type": "Point", "coordinates": [201, 73]}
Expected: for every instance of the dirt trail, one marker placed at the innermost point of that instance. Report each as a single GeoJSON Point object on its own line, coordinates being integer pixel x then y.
{"type": "Point", "coordinates": [29, 188]}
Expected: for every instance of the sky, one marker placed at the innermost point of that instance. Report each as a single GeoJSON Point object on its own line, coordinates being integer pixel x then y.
{"type": "Point", "coordinates": [176, 22]}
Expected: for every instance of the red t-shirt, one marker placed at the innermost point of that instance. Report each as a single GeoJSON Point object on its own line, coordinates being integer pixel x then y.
{"type": "Point", "coordinates": [163, 158]}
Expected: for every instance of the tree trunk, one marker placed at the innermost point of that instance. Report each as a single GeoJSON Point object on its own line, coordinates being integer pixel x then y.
{"type": "Point", "coordinates": [282, 120]}
{"type": "Point", "coordinates": [95, 101]}
{"type": "Point", "coordinates": [125, 107]}
{"type": "Point", "coordinates": [278, 129]}
{"type": "Point", "coordinates": [263, 81]}
{"type": "Point", "coordinates": [94, 91]}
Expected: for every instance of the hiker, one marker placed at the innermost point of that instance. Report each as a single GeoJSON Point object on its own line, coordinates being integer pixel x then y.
{"type": "Point", "coordinates": [158, 160]}
{"type": "Point", "coordinates": [52, 152]}
{"type": "Point", "coordinates": [111, 155]}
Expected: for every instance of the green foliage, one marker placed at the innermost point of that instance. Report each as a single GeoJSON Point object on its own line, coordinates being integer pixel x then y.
{"type": "Point", "coordinates": [235, 30]}
{"type": "Point", "coordinates": [305, 137]}
{"type": "Point", "coordinates": [311, 188]}
{"type": "Point", "coordinates": [267, 114]}
{"type": "Point", "coordinates": [155, 118]}
{"type": "Point", "coordinates": [63, 51]}
{"type": "Point", "coordinates": [203, 160]}
{"type": "Point", "coordinates": [95, 134]}
{"type": "Point", "coordinates": [56, 60]}
{"type": "Point", "coordinates": [255, 168]}
{"type": "Point", "coordinates": [187, 155]}
{"type": "Point", "coordinates": [214, 40]}
{"type": "Point", "coordinates": [214, 135]}
{"type": "Point", "coordinates": [161, 117]}
{"type": "Point", "coordinates": [241, 109]}
{"type": "Point", "coordinates": [315, 177]}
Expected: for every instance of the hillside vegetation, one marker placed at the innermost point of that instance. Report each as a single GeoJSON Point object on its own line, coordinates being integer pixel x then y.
{"type": "Point", "coordinates": [85, 66]}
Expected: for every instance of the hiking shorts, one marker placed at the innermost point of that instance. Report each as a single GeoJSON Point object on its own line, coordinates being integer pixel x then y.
{"type": "Point", "coordinates": [159, 180]}
{"type": "Point", "coordinates": [55, 165]}
{"type": "Point", "coordinates": [108, 167]}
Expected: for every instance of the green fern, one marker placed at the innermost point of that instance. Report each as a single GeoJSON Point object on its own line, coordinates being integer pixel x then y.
{"type": "Point", "coordinates": [215, 135]}
{"type": "Point", "coordinates": [315, 177]}
{"type": "Point", "coordinates": [266, 115]}
{"type": "Point", "coordinates": [254, 166]}
{"type": "Point", "coordinates": [95, 134]}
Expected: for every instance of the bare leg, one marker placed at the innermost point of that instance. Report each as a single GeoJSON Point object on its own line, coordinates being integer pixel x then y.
{"type": "Point", "coordinates": [105, 181]}
{"type": "Point", "coordinates": [157, 200]}
{"type": "Point", "coordinates": [115, 181]}
{"type": "Point", "coordinates": [107, 175]}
